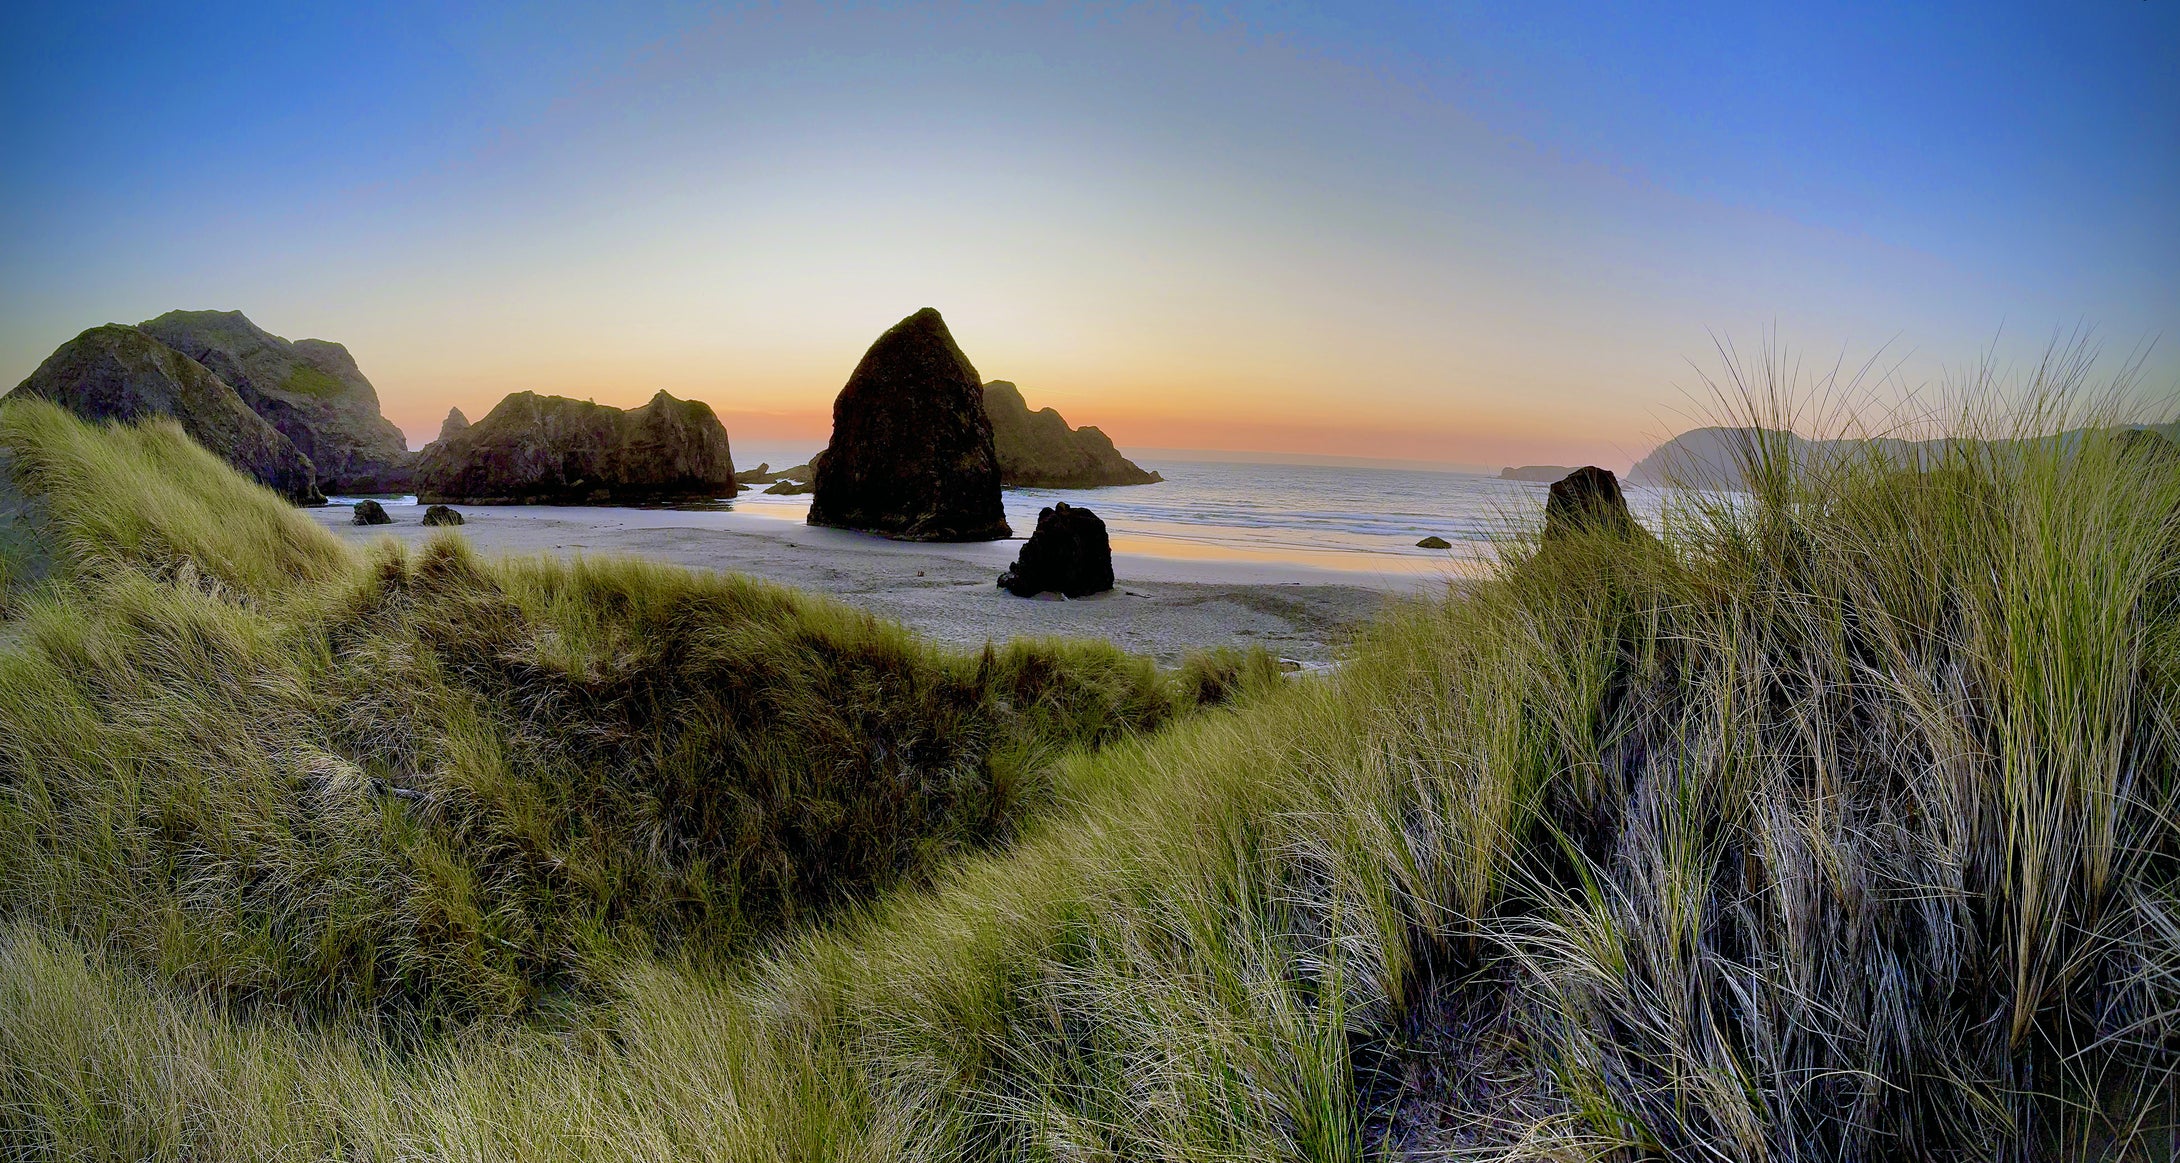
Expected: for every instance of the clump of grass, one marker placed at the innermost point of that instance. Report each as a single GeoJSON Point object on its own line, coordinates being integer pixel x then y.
{"type": "Point", "coordinates": [427, 786]}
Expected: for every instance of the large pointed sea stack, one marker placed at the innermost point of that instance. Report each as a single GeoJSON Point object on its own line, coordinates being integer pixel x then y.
{"type": "Point", "coordinates": [911, 455]}
{"type": "Point", "coordinates": [119, 372]}
{"type": "Point", "coordinates": [311, 390]}
{"type": "Point", "coordinates": [551, 450]}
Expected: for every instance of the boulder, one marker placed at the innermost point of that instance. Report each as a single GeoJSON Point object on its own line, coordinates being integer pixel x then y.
{"type": "Point", "coordinates": [1587, 500]}
{"type": "Point", "coordinates": [371, 513]}
{"type": "Point", "coordinates": [1068, 553]}
{"type": "Point", "coordinates": [310, 389]}
{"type": "Point", "coordinates": [1434, 541]}
{"type": "Point", "coordinates": [441, 515]}
{"type": "Point", "coordinates": [551, 450]}
{"type": "Point", "coordinates": [122, 373]}
{"type": "Point", "coordinates": [454, 423]}
{"type": "Point", "coordinates": [1037, 450]}
{"type": "Point", "coordinates": [911, 455]}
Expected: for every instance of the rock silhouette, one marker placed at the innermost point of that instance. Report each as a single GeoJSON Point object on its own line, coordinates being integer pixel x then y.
{"type": "Point", "coordinates": [119, 372]}
{"type": "Point", "coordinates": [371, 513]}
{"type": "Point", "coordinates": [1587, 500]}
{"type": "Point", "coordinates": [1540, 474]}
{"type": "Point", "coordinates": [1037, 450]}
{"type": "Point", "coordinates": [551, 450]}
{"type": "Point", "coordinates": [310, 389]}
{"type": "Point", "coordinates": [1434, 541]}
{"type": "Point", "coordinates": [911, 455]}
{"type": "Point", "coordinates": [1068, 553]}
{"type": "Point", "coordinates": [441, 515]}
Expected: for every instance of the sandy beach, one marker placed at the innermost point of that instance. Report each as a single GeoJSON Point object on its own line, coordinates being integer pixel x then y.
{"type": "Point", "coordinates": [1163, 606]}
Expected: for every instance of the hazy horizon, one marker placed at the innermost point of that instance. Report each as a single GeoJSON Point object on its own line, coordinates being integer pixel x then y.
{"type": "Point", "coordinates": [1420, 233]}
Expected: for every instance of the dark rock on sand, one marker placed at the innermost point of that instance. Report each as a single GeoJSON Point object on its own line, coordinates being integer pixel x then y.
{"type": "Point", "coordinates": [1587, 500]}
{"type": "Point", "coordinates": [1434, 541]}
{"type": "Point", "coordinates": [118, 372]}
{"type": "Point", "coordinates": [1541, 474]}
{"type": "Point", "coordinates": [1068, 553]}
{"type": "Point", "coordinates": [551, 450]}
{"type": "Point", "coordinates": [371, 513]}
{"type": "Point", "coordinates": [441, 515]}
{"type": "Point", "coordinates": [911, 455]}
{"type": "Point", "coordinates": [1037, 450]}
{"type": "Point", "coordinates": [310, 389]}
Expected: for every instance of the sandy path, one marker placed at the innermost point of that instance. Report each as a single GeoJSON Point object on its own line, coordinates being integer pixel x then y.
{"type": "Point", "coordinates": [1163, 607]}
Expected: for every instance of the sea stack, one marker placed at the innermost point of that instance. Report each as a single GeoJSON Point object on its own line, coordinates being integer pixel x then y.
{"type": "Point", "coordinates": [310, 390]}
{"type": "Point", "coordinates": [551, 450]}
{"type": "Point", "coordinates": [1037, 450]}
{"type": "Point", "coordinates": [911, 455]}
{"type": "Point", "coordinates": [119, 372]}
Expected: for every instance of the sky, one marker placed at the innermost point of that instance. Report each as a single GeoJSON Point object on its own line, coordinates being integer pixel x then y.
{"type": "Point", "coordinates": [1458, 233]}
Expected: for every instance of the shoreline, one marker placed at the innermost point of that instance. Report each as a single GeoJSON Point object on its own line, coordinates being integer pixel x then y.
{"type": "Point", "coordinates": [1163, 607]}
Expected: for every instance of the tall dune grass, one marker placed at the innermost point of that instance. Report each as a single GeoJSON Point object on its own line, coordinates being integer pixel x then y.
{"type": "Point", "coordinates": [1835, 823]}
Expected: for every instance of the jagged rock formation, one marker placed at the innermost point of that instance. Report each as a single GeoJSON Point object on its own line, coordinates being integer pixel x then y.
{"type": "Point", "coordinates": [1037, 450]}
{"type": "Point", "coordinates": [455, 422]}
{"type": "Point", "coordinates": [1588, 500]}
{"type": "Point", "coordinates": [911, 455]}
{"type": "Point", "coordinates": [761, 475]}
{"type": "Point", "coordinates": [371, 513]}
{"type": "Point", "coordinates": [311, 390]}
{"type": "Point", "coordinates": [119, 372]}
{"type": "Point", "coordinates": [551, 450]}
{"type": "Point", "coordinates": [441, 515]}
{"type": "Point", "coordinates": [1539, 474]}
{"type": "Point", "coordinates": [1068, 553]}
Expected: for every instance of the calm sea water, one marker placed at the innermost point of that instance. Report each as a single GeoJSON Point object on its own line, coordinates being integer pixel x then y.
{"type": "Point", "coordinates": [1319, 515]}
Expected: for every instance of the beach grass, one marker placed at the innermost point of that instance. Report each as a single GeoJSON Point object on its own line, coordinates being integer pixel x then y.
{"type": "Point", "coordinates": [1836, 821]}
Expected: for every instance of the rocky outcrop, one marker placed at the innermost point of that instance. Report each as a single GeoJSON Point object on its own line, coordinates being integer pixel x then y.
{"type": "Point", "coordinates": [1037, 450]}
{"type": "Point", "coordinates": [551, 450]}
{"type": "Point", "coordinates": [441, 515]}
{"type": "Point", "coordinates": [1068, 553]}
{"type": "Point", "coordinates": [123, 373]}
{"type": "Point", "coordinates": [1434, 541]}
{"type": "Point", "coordinates": [911, 455]}
{"type": "Point", "coordinates": [1587, 501]}
{"type": "Point", "coordinates": [311, 390]}
{"type": "Point", "coordinates": [26, 535]}
{"type": "Point", "coordinates": [454, 423]}
{"type": "Point", "coordinates": [370, 513]}
{"type": "Point", "coordinates": [1539, 474]}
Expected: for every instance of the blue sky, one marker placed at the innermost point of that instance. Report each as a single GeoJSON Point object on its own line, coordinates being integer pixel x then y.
{"type": "Point", "coordinates": [1456, 232]}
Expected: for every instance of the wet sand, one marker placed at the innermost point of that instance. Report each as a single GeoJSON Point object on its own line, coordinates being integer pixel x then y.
{"type": "Point", "coordinates": [1163, 607]}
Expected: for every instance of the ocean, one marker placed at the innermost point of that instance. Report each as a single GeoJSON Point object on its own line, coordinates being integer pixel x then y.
{"type": "Point", "coordinates": [1324, 516]}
